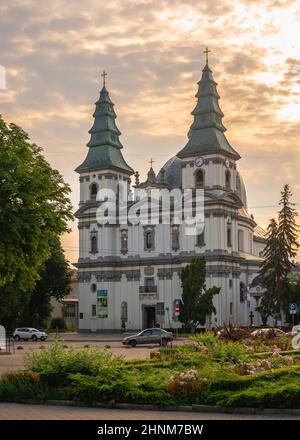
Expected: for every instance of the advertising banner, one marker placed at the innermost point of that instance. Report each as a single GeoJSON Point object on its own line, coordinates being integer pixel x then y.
{"type": "Point", "coordinates": [102, 306]}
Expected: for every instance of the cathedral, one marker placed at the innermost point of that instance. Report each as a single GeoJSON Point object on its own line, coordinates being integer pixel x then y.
{"type": "Point", "coordinates": [129, 274]}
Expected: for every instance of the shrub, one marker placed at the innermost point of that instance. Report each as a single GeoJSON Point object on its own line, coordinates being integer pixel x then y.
{"type": "Point", "coordinates": [58, 323]}
{"type": "Point", "coordinates": [55, 360]}
{"type": "Point", "coordinates": [124, 386]}
{"type": "Point", "coordinates": [233, 333]}
{"type": "Point", "coordinates": [71, 328]}
{"type": "Point", "coordinates": [222, 351]}
{"type": "Point", "coordinates": [279, 396]}
{"type": "Point", "coordinates": [26, 385]}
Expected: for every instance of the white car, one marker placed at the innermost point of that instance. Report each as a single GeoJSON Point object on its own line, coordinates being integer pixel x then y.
{"type": "Point", "coordinates": [29, 333]}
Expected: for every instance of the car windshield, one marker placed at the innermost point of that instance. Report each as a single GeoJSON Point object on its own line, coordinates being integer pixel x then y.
{"type": "Point", "coordinates": [34, 330]}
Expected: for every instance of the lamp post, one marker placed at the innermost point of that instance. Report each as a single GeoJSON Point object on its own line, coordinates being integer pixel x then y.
{"type": "Point", "coordinates": [251, 316]}
{"type": "Point", "coordinates": [167, 310]}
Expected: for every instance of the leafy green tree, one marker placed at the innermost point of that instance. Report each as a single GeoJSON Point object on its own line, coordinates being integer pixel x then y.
{"type": "Point", "coordinates": [197, 302]}
{"type": "Point", "coordinates": [280, 250]}
{"type": "Point", "coordinates": [34, 206]}
{"type": "Point", "coordinates": [54, 282]}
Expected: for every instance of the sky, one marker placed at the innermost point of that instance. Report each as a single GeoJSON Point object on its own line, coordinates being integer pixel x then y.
{"type": "Point", "coordinates": [53, 53]}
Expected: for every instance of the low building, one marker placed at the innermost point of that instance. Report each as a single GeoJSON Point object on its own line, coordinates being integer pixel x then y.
{"type": "Point", "coordinates": [67, 308]}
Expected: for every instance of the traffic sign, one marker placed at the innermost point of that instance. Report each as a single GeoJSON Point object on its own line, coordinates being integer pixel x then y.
{"type": "Point", "coordinates": [177, 307]}
{"type": "Point", "coordinates": [293, 309]}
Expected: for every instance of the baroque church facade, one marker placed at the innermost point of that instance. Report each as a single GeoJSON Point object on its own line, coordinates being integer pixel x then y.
{"type": "Point", "coordinates": [129, 274]}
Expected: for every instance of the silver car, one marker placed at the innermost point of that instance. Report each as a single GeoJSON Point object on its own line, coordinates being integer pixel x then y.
{"type": "Point", "coordinates": [29, 333]}
{"type": "Point", "coordinates": [149, 336]}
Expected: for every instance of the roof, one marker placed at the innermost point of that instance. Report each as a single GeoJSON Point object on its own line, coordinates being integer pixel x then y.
{"type": "Point", "coordinates": [259, 232]}
{"type": "Point", "coordinates": [104, 145]}
{"type": "Point", "coordinates": [104, 157]}
{"type": "Point", "coordinates": [206, 134]}
{"type": "Point", "coordinates": [171, 172]}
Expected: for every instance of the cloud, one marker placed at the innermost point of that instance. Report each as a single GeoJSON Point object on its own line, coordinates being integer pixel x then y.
{"type": "Point", "coordinates": [153, 51]}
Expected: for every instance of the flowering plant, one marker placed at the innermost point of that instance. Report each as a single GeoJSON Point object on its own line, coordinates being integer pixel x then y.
{"type": "Point", "coordinates": [275, 361]}
{"type": "Point", "coordinates": [187, 383]}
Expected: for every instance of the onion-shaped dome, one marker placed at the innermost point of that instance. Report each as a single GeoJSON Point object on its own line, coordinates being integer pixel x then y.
{"type": "Point", "coordinates": [171, 173]}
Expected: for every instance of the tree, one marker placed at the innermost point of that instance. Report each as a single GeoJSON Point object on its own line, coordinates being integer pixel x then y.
{"type": "Point", "coordinates": [54, 282]}
{"type": "Point", "coordinates": [34, 206]}
{"type": "Point", "coordinates": [197, 302]}
{"type": "Point", "coordinates": [281, 247]}
{"type": "Point", "coordinates": [287, 237]}
{"type": "Point", "coordinates": [270, 270]}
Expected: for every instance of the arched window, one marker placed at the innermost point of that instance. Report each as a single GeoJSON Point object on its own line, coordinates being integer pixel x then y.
{"type": "Point", "coordinates": [229, 235]}
{"type": "Point", "coordinates": [94, 243]}
{"type": "Point", "coordinates": [227, 179]}
{"type": "Point", "coordinates": [240, 240]}
{"type": "Point", "coordinates": [242, 292]}
{"type": "Point", "coordinates": [200, 239]}
{"type": "Point", "coordinates": [124, 311]}
{"type": "Point", "coordinates": [238, 183]}
{"type": "Point", "coordinates": [93, 190]}
{"type": "Point", "coordinates": [199, 181]}
{"type": "Point", "coordinates": [149, 233]}
{"type": "Point", "coordinates": [149, 240]}
{"type": "Point", "coordinates": [175, 238]}
{"type": "Point", "coordinates": [124, 241]}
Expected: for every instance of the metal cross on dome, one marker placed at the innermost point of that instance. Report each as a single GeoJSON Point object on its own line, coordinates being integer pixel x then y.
{"type": "Point", "coordinates": [103, 74]}
{"type": "Point", "coordinates": [206, 53]}
{"type": "Point", "coordinates": [151, 162]}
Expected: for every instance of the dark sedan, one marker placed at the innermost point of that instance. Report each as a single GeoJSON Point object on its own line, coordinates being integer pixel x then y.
{"type": "Point", "coordinates": [149, 336]}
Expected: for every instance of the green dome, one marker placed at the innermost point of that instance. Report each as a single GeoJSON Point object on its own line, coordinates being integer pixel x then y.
{"type": "Point", "coordinates": [104, 145]}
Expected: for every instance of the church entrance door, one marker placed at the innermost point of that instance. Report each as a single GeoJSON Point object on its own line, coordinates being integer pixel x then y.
{"type": "Point", "coordinates": [149, 316]}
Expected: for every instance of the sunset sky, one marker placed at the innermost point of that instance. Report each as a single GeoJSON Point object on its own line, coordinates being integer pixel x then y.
{"type": "Point", "coordinates": [54, 51]}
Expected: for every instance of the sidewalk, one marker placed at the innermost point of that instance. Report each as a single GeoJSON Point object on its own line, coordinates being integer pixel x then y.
{"type": "Point", "coordinates": [17, 411]}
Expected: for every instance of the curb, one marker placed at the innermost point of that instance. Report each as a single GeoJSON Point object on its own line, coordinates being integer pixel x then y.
{"type": "Point", "coordinates": [88, 340]}
{"type": "Point", "coordinates": [97, 340]}
{"type": "Point", "coordinates": [146, 407]}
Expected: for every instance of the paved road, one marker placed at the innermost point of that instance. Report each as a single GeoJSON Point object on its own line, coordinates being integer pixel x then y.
{"type": "Point", "coordinates": [16, 411]}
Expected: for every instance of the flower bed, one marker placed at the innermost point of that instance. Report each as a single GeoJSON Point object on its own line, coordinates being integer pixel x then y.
{"type": "Point", "coordinates": [207, 370]}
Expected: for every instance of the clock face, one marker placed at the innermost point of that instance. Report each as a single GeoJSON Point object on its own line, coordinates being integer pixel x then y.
{"type": "Point", "coordinates": [227, 163]}
{"type": "Point", "coordinates": [199, 161]}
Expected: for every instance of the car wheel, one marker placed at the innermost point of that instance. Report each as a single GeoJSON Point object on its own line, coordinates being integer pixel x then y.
{"type": "Point", "coordinates": [17, 338]}
{"type": "Point", "coordinates": [164, 342]}
{"type": "Point", "coordinates": [43, 339]}
{"type": "Point", "coordinates": [34, 338]}
{"type": "Point", "coordinates": [132, 343]}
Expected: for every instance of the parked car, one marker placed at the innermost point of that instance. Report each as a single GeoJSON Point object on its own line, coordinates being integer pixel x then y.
{"type": "Point", "coordinates": [29, 333]}
{"type": "Point", "coordinates": [149, 336]}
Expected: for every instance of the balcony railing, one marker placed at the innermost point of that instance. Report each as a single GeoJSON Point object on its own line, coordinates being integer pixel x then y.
{"type": "Point", "coordinates": [148, 289]}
